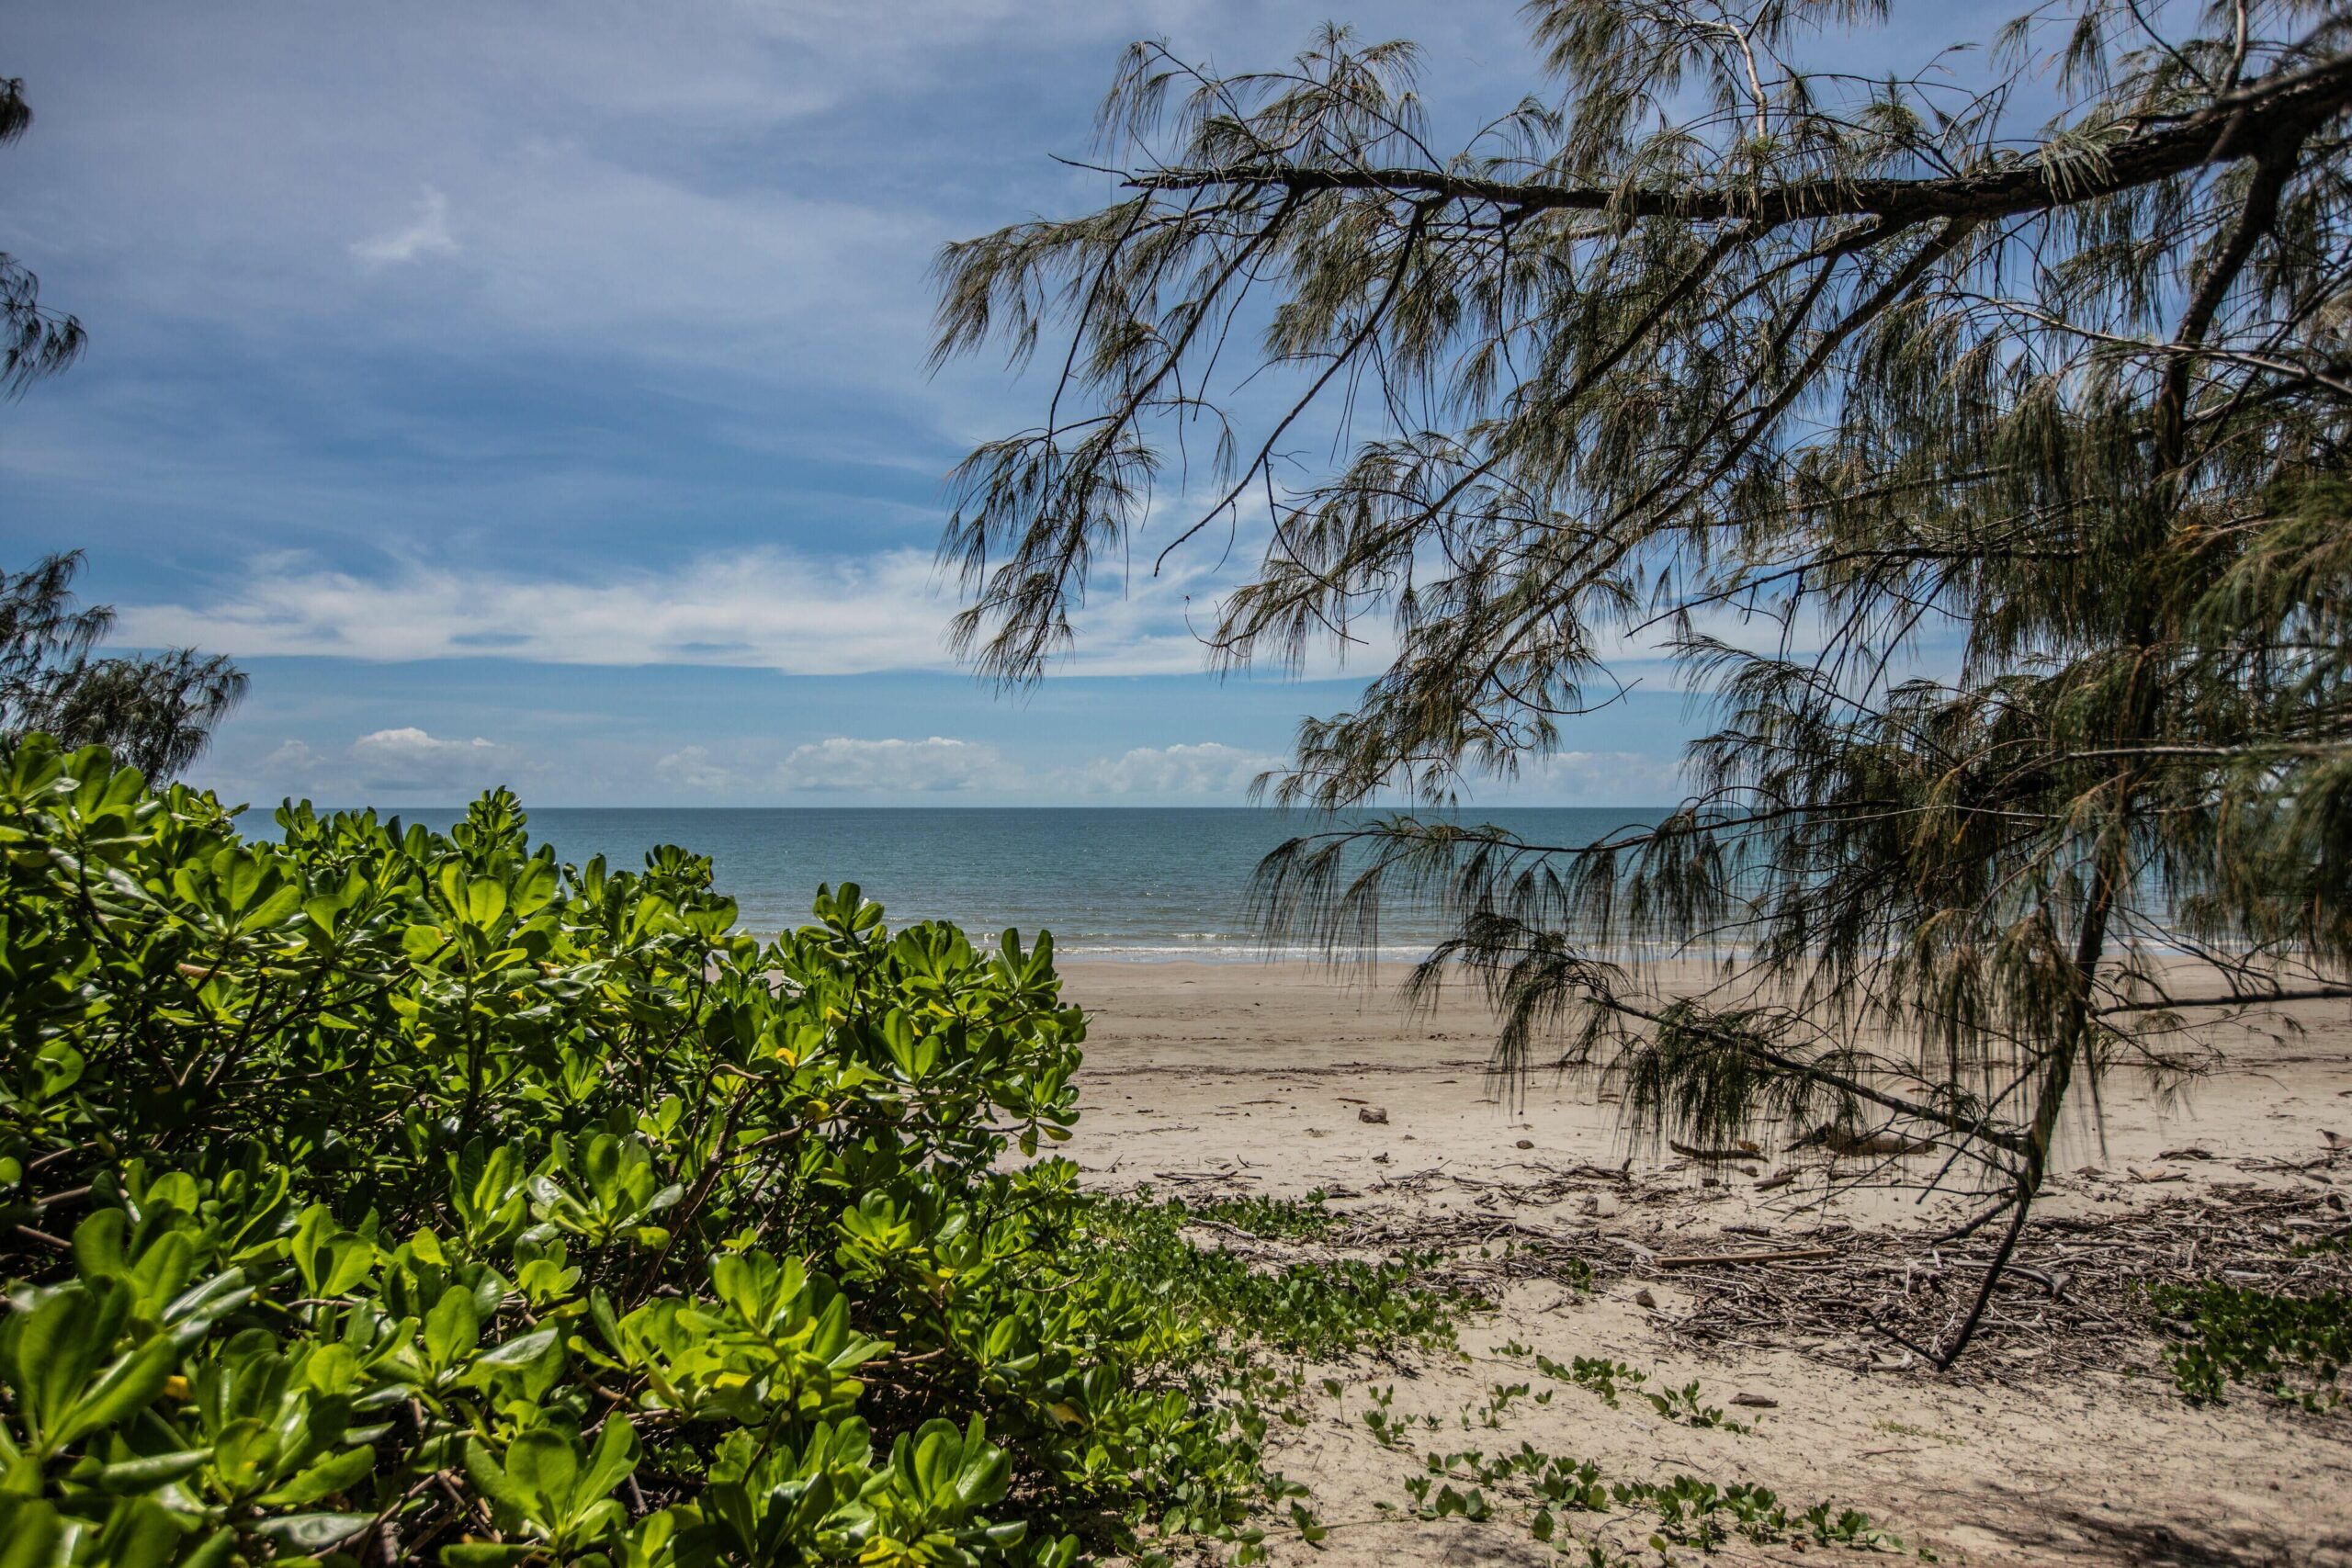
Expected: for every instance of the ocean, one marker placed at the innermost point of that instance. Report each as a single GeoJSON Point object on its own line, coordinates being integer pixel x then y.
{"type": "Point", "coordinates": [1136, 884]}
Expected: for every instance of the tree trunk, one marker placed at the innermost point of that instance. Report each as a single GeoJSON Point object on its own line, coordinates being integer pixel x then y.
{"type": "Point", "coordinates": [2090, 944]}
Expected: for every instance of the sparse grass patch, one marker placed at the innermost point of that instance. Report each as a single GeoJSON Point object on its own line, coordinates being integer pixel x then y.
{"type": "Point", "coordinates": [1689, 1511]}
{"type": "Point", "coordinates": [1269, 1219]}
{"type": "Point", "coordinates": [1686, 1511]}
{"type": "Point", "coordinates": [1320, 1310]}
{"type": "Point", "coordinates": [2292, 1348]}
{"type": "Point", "coordinates": [1609, 1378]}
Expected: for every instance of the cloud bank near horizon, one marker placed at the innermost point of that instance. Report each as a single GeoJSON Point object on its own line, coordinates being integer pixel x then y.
{"type": "Point", "coordinates": [409, 764]}
{"type": "Point", "coordinates": [770, 606]}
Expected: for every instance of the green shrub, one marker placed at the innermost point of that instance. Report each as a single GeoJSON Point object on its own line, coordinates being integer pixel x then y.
{"type": "Point", "coordinates": [2292, 1348]}
{"type": "Point", "coordinates": [379, 1194]}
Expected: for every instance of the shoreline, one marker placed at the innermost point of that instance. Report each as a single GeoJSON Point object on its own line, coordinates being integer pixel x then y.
{"type": "Point", "coordinates": [1196, 1037]}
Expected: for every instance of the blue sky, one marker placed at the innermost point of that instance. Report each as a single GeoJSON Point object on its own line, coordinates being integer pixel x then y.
{"type": "Point", "coordinates": [537, 393]}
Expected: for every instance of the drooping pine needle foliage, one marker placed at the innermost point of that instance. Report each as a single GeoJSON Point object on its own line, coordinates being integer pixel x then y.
{"type": "Point", "coordinates": [35, 341]}
{"type": "Point", "coordinates": [1986, 477]}
{"type": "Point", "coordinates": [156, 711]}
{"type": "Point", "coordinates": [373, 1196]}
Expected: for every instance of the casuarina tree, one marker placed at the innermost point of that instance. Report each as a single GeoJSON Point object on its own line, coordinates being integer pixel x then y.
{"type": "Point", "coordinates": [1970, 439]}
{"type": "Point", "coordinates": [34, 340]}
{"type": "Point", "coordinates": [155, 711]}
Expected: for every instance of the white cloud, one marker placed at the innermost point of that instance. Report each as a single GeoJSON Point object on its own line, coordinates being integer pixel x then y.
{"type": "Point", "coordinates": [404, 760]}
{"type": "Point", "coordinates": [409, 764]}
{"type": "Point", "coordinates": [1210, 768]}
{"type": "Point", "coordinates": [428, 236]}
{"type": "Point", "coordinates": [897, 767]}
{"type": "Point", "coordinates": [1601, 778]}
{"type": "Point", "coordinates": [292, 760]}
{"type": "Point", "coordinates": [942, 764]}
{"type": "Point", "coordinates": [762, 608]}
{"type": "Point", "coordinates": [692, 767]}
{"type": "Point", "coordinates": [408, 757]}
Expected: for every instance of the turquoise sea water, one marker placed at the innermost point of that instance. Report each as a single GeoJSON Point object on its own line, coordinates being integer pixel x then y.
{"type": "Point", "coordinates": [1139, 883]}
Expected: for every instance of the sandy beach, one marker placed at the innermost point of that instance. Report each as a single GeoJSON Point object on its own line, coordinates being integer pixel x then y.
{"type": "Point", "coordinates": [2061, 1438]}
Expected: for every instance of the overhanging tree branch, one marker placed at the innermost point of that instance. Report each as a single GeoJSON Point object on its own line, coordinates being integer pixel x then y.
{"type": "Point", "coordinates": [2238, 125]}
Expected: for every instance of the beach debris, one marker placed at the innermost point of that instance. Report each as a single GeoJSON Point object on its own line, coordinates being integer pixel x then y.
{"type": "Point", "coordinates": [1643, 1298]}
{"type": "Point", "coordinates": [1524, 1144]}
{"type": "Point", "coordinates": [2190, 1153]}
{"type": "Point", "coordinates": [1745, 1151]}
{"type": "Point", "coordinates": [1754, 1402]}
{"type": "Point", "coordinates": [1776, 1179]}
{"type": "Point", "coordinates": [1727, 1259]}
{"type": "Point", "coordinates": [1879, 1144]}
{"type": "Point", "coordinates": [2075, 1284]}
{"type": "Point", "coordinates": [1376, 1115]}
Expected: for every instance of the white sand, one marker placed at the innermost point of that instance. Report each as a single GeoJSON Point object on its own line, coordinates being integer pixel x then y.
{"type": "Point", "coordinates": [1256, 1075]}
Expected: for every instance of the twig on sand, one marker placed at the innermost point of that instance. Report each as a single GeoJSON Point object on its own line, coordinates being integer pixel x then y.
{"type": "Point", "coordinates": [1717, 1157]}
{"type": "Point", "coordinates": [1724, 1259]}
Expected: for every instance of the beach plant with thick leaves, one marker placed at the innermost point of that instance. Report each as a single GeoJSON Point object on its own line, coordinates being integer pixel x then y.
{"type": "Point", "coordinates": [376, 1195]}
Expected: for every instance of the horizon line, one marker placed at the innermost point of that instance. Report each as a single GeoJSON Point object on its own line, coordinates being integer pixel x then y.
{"type": "Point", "coordinates": [1000, 806]}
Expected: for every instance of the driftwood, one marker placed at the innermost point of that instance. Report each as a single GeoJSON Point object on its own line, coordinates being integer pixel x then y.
{"type": "Point", "coordinates": [1746, 1153]}
{"type": "Point", "coordinates": [1724, 1259]}
{"type": "Point", "coordinates": [1856, 1145]}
